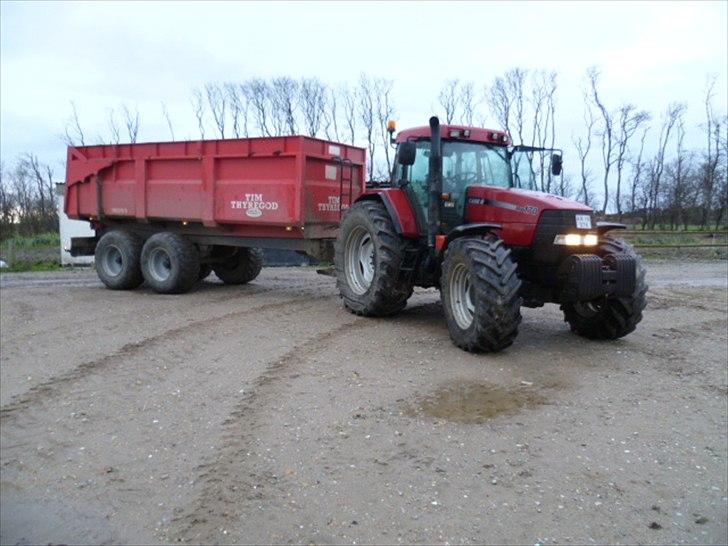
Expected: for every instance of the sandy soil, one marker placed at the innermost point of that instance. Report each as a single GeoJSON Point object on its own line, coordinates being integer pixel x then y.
{"type": "Point", "coordinates": [267, 413]}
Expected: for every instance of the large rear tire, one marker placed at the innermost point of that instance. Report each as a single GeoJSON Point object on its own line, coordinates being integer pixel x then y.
{"type": "Point", "coordinates": [170, 263]}
{"type": "Point", "coordinates": [242, 267]}
{"type": "Point", "coordinates": [480, 294]}
{"type": "Point", "coordinates": [117, 260]}
{"type": "Point", "coordinates": [610, 318]}
{"type": "Point", "coordinates": [368, 256]}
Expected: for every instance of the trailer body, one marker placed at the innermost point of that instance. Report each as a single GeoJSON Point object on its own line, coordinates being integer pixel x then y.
{"type": "Point", "coordinates": [276, 192]}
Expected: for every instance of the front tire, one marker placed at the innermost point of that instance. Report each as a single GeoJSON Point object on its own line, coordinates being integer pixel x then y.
{"type": "Point", "coordinates": [610, 318]}
{"type": "Point", "coordinates": [117, 259]}
{"type": "Point", "coordinates": [170, 263]}
{"type": "Point", "coordinates": [480, 294]}
{"type": "Point", "coordinates": [368, 256]}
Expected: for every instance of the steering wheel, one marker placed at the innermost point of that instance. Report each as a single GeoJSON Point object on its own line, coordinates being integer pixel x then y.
{"type": "Point", "coordinates": [462, 180]}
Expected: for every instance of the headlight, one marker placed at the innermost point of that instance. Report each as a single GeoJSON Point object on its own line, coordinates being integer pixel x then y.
{"type": "Point", "coordinates": [574, 239]}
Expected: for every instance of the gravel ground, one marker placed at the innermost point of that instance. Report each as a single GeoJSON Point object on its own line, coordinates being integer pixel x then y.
{"type": "Point", "coordinates": [268, 414]}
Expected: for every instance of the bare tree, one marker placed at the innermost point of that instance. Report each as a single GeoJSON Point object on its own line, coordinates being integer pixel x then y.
{"type": "Point", "coordinates": [168, 119]}
{"type": "Point", "coordinates": [516, 84]}
{"type": "Point", "coordinates": [198, 105]}
{"type": "Point", "coordinates": [449, 98]}
{"type": "Point", "coordinates": [367, 115]}
{"type": "Point", "coordinates": [605, 132]}
{"type": "Point", "coordinates": [673, 113]}
{"type": "Point", "coordinates": [348, 98]}
{"type": "Point", "coordinates": [711, 156]}
{"type": "Point", "coordinates": [500, 103]}
{"type": "Point", "coordinates": [638, 167]}
{"type": "Point", "coordinates": [313, 102]}
{"type": "Point", "coordinates": [73, 132]}
{"type": "Point", "coordinates": [630, 120]}
{"type": "Point", "coordinates": [284, 95]}
{"type": "Point", "coordinates": [468, 102]}
{"type": "Point", "coordinates": [257, 93]}
{"type": "Point", "coordinates": [238, 102]}
{"type": "Point", "coordinates": [331, 122]}
{"type": "Point", "coordinates": [131, 121]}
{"type": "Point", "coordinates": [385, 112]}
{"type": "Point", "coordinates": [217, 102]}
{"type": "Point", "coordinates": [114, 128]}
{"type": "Point", "coordinates": [583, 146]}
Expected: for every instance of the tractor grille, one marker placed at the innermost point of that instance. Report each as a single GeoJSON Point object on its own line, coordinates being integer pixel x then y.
{"type": "Point", "coordinates": [551, 224]}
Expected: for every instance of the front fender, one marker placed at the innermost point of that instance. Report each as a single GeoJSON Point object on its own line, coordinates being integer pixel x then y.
{"type": "Point", "coordinates": [465, 230]}
{"type": "Point", "coordinates": [399, 208]}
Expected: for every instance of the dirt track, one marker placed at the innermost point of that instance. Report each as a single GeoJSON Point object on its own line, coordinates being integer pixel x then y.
{"type": "Point", "coordinates": [267, 413]}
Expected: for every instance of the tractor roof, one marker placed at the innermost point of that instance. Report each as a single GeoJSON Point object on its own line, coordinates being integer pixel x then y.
{"type": "Point", "coordinates": [459, 132]}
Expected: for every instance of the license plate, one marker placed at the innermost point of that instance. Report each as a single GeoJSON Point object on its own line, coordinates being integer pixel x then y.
{"type": "Point", "coordinates": [583, 221]}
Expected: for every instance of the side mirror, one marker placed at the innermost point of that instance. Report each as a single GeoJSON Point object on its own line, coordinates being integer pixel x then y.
{"type": "Point", "coordinates": [406, 153]}
{"type": "Point", "coordinates": [556, 164]}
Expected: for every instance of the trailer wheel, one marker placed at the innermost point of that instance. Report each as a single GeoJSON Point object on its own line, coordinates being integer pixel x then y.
{"type": "Point", "coordinates": [368, 256]}
{"type": "Point", "coordinates": [170, 263]}
{"type": "Point", "coordinates": [610, 318]}
{"type": "Point", "coordinates": [480, 294]}
{"type": "Point", "coordinates": [242, 267]}
{"type": "Point", "coordinates": [117, 259]}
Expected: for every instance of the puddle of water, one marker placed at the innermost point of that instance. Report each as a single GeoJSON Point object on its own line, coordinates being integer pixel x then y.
{"type": "Point", "coordinates": [473, 402]}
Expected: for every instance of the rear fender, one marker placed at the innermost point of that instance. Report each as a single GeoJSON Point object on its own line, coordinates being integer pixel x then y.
{"type": "Point", "coordinates": [398, 206]}
{"type": "Point", "coordinates": [465, 230]}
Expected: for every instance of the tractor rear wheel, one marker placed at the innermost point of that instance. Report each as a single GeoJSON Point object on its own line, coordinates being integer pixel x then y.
{"type": "Point", "coordinates": [610, 318]}
{"type": "Point", "coordinates": [480, 294]}
{"type": "Point", "coordinates": [117, 259]}
{"type": "Point", "coordinates": [240, 268]}
{"type": "Point", "coordinates": [170, 263]}
{"type": "Point", "coordinates": [368, 256]}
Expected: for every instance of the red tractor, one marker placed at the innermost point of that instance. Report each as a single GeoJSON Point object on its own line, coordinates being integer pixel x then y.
{"type": "Point", "coordinates": [461, 213]}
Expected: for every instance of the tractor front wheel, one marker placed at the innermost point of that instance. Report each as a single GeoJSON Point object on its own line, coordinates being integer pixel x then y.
{"type": "Point", "coordinates": [609, 317]}
{"type": "Point", "coordinates": [368, 256]}
{"type": "Point", "coordinates": [480, 297]}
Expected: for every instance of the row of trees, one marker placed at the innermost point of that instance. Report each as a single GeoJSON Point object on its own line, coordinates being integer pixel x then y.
{"type": "Point", "coordinates": [28, 198]}
{"type": "Point", "coordinates": [629, 161]}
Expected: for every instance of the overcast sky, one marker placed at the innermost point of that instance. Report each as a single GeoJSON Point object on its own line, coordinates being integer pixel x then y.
{"type": "Point", "coordinates": [140, 53]}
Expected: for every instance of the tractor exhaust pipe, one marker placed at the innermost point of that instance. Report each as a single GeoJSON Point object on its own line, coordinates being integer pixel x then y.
{"type": "Point", "coordinates": [434, 184]}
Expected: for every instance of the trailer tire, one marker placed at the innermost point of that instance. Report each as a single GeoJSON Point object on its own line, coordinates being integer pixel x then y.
{"type": "Point", "coordinates": [205, 270]}
{"type": "Point", "coordinates": [117, 258]}
{"type": "Point", "coordinates": [610, 318]}
{"type": "Point", "coordinates": [480, 294]}
{"type": "Point", "coordinates": [170, 263]}
{"type": "Point", "coordinates": [242, 267]}
{"type": "Point", "coordinates": [367, 258]}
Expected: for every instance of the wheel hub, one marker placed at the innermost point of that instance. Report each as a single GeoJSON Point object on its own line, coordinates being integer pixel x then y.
{"type": "Point", "coordinates": [461, 298]}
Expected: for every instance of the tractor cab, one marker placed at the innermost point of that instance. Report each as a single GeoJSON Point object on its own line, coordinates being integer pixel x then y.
{"type": "Point", "coordinates": [471, 157]}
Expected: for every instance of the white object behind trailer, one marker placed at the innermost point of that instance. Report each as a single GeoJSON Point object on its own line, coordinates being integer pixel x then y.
{"type": "Point", "coordinates": [71, 228]}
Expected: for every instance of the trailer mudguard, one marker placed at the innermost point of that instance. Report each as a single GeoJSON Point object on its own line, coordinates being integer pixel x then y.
{"type": "Point", "coordinates": [399, 209]}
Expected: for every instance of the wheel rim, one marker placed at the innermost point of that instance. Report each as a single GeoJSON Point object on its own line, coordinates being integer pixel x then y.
{"type": "Point", "coordinates": [160, 265]}
{"type": "Point", "coordinates": [359, 262]}
{"type": "Point", "coordinates": [461, 300]}
{"type": "Point", "coordinates": [112, 261]}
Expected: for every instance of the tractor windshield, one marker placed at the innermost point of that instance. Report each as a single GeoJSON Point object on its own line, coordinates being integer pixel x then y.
{"type": "Point", "coordinates": [473, 164]}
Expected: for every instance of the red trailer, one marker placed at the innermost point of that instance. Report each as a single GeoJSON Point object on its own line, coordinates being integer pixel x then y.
{"type": "Point", "coordinates": [225, 196]}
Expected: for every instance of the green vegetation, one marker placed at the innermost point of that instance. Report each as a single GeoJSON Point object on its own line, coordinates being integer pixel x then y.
{"type": "Point", "coordinates": [31, 252]}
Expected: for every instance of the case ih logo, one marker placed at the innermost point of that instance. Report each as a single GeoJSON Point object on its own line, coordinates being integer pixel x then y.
{"type": "Point", "coordinates": [254, 205]}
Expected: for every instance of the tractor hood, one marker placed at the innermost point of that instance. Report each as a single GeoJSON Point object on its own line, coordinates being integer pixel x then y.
{"type": "Point", "coordinates": [529, 204]}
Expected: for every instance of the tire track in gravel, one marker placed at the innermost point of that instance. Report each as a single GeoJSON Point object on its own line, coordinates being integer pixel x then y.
{"type": "Point", "coordinates": [225, 481]}
{"type": "Point", "coordinates": [52, 386]}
